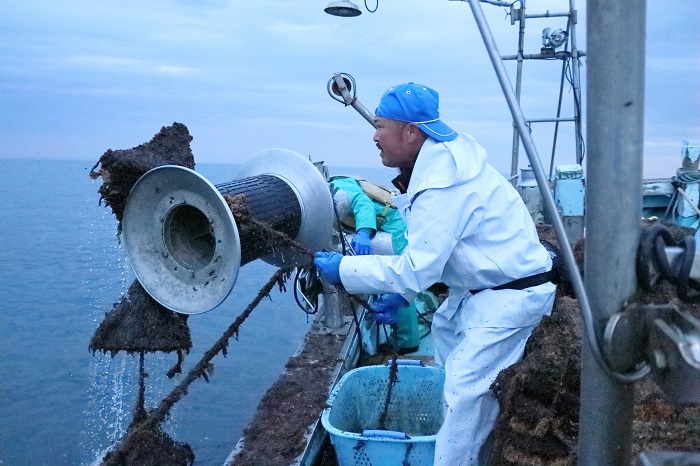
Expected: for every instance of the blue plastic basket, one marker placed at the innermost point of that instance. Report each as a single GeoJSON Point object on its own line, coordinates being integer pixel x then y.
{"type": "Point", "coordinates": [414, 416]}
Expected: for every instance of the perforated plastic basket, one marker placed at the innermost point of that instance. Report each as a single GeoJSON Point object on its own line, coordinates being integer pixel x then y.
{"type": "Point", "coordinates": [414, 416]}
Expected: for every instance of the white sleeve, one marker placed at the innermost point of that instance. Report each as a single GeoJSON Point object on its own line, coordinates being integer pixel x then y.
{"type": "Point", "coordinates": [437, 222]}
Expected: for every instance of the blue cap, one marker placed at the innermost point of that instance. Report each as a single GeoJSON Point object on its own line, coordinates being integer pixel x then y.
{"type": "Point", "coordinates": [415, 103]}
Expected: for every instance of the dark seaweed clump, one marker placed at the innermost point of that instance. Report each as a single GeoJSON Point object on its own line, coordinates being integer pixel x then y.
{"type": "Point", "coordinates": [120, 169]}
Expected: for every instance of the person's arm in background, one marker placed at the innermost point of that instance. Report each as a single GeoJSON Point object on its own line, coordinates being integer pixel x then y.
{"type": "Point", "coordinates": [364, 212]}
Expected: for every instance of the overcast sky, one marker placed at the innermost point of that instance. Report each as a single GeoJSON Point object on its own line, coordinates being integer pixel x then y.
{"type": "Point", "coordinates": [79, 77]}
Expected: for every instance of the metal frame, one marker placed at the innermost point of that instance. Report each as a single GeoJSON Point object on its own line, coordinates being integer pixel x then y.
{"type": "Point", "coordinates": [521, 16]}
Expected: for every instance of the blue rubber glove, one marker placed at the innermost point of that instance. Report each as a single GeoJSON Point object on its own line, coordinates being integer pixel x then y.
{"type": "Point", "coordinates": [362, 243]}
{"type": "Point", "coordinates": [328, 264]}
{"type": "Point", "coordinates": [385, 308]}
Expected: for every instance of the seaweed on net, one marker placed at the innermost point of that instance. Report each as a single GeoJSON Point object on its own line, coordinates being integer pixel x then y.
{"type": "Point", "coordinates": [139, 324]}
{"type": "Point", "coordinates": [144, 433]}
{"type": "Point", "coordinates": [151, 447]}
{"type": "Point", "coordinates": [120, 169]}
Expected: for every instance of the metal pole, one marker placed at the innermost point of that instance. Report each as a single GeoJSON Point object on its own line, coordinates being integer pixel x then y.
{"type": "Point", "coordinates": [558, 118]}
{"type": "Point", "coordinates": [518, 87]}
{"type": "Point", "coordinates": [575, 71]}
{"type": "Point", "coordinates": [615, 50]}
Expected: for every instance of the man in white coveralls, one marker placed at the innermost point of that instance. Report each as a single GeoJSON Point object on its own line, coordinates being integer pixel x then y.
{"type": "Point", "coordinates": [468, 228]}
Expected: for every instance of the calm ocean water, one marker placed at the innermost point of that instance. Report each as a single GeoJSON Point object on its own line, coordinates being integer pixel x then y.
{"type": "Point", "coordinates": [61, 269]}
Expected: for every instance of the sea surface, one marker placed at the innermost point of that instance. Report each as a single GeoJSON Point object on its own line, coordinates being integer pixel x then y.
{"type": "Point", "coordinates": [62, 267]}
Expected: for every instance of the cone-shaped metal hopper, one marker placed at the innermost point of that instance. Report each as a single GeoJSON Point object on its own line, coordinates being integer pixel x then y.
{"type": "Point", "coordinates": [184, 244]}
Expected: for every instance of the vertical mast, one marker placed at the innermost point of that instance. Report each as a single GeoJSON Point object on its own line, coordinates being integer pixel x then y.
{"type": "Point", "coordinates": [518, 87]}
{"type": "Point", "coordinates": [615, 118]}
{"type": "Point", "coordinates": [573, 23]}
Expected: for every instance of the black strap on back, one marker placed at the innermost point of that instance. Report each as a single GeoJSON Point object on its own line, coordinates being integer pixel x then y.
{"type": "Point", "coordinates": [557, 275]}
{"type": "Point", "coordinates": [522, 283]}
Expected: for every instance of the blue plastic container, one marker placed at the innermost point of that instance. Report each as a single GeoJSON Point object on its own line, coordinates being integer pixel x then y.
{"type": "Point", "coordinates": [414, 416]}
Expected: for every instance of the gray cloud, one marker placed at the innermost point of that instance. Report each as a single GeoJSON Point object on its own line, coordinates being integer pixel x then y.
{"type": "Point", "coordinates": [246, 75]}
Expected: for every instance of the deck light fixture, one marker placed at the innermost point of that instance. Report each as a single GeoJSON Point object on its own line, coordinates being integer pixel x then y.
{"type": "Point", "coordinates": [344, 9]}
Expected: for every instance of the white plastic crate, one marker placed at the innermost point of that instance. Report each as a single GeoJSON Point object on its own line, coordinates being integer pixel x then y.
{"type": "Point", "coordinates": [414, 416]}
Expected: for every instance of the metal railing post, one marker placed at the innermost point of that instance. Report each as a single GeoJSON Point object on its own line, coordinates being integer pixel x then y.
{"type": "Point", "coordinates": [615, 118]}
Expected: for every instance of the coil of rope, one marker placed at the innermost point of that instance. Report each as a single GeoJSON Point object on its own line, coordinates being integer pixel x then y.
{"type": "Point", "coordinates": [653, 266]}
{"type": "Point", "coordinates": [689, 176]}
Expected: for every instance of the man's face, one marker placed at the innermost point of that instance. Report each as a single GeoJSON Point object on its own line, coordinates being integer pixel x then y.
{"type": "Point", "coordinates": [397, 142]}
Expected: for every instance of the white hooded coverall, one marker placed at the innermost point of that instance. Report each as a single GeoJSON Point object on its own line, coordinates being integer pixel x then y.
{"type": "Point", "coordinates": [467, 227]}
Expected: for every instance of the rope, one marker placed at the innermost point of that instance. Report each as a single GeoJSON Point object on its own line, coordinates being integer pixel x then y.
{"type": "Point", "coordinates": [286, 240]}
{"type": "Point", "coordinates": [144, 421]}
{"type": "Point", "coordinates": [202, 369]}
{"type": "Point", "coordinates": [393, 378]}
{"type": "Point", "coordinates": [140, 410]}
{"type": "Point", "coordinates": [652, 258]}
{"type": "Point", "coordinates": [393, 372]}
{"type": "Point", "coordinates": [688, 177]}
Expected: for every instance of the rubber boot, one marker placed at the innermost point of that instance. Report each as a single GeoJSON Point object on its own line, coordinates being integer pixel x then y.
{"type": "Point", "coordinates": [407, 328]}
